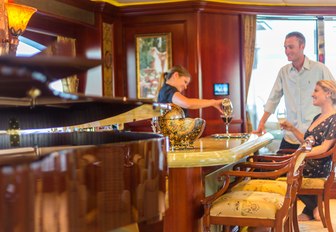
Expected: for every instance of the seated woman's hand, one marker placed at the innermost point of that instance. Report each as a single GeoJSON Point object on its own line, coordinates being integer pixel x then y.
{"type": "Point", "coordinates": [285, 125]}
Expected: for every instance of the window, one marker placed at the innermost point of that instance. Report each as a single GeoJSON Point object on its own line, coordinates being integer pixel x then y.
{"type": "Point", "coordinates": [330, 35]}
{"type": "Point", "coordinates": [270, 57]}
{"type": "Point", "coordinates": [28, 47]}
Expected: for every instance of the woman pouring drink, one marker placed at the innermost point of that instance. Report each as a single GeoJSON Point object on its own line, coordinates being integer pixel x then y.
{"type": "Point", "coordinates": [175, 81]}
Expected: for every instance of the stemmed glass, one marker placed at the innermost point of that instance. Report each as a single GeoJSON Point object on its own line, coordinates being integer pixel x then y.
{"type": "Point", "coordinates": [227, 113]}
{"type": "Point", "coordinates": [226, 119]}
{"type": "Point", "coordinates": [281, 115]}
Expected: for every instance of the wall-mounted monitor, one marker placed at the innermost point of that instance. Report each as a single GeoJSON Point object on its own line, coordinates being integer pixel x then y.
{"type": "Point", "coordinates": [221, 89]}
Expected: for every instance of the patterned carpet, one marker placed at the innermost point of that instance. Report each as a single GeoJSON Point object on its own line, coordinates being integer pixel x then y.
{"type": "Point", "coordinates": [313, 226]}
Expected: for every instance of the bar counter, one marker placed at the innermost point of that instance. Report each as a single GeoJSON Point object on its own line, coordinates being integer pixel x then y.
{"type": "Point", "coordinates": [217, 150]}
{"type": "Point", "coordinates": [189, 168]}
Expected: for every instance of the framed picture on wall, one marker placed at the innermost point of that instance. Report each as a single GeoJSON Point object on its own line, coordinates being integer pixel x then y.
{"type": "Point", "coordinates": [153, 57]}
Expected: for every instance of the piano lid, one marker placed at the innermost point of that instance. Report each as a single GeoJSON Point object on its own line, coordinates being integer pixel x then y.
{"type": "Point", "coordinates": [26, 98]}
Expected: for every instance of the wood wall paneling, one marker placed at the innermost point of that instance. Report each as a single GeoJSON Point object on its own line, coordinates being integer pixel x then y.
{"type": "Point", "coordinates": [182, 28]}
{"type": "Point", "coordinates": [219, 45]}
{"type": "Point", "coordinates": [207, 43]}
{"type": "Point", "coordinates": [220, 62]}
{"type": "Point", "coordinates": [182, 42]}
{"type": "Point", "coordinates": [206, 23]}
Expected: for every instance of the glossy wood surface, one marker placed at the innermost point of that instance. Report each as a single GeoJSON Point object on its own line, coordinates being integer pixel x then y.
{"type": "Point", "coordinates": [85, 188]}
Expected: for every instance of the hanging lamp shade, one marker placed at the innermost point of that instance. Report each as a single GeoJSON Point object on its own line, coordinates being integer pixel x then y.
{"type": "Point", "coordinates": [18, 17]}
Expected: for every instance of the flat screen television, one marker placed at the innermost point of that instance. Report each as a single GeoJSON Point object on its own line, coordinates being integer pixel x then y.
{"type": "Point", "coordinates": [221, 89]}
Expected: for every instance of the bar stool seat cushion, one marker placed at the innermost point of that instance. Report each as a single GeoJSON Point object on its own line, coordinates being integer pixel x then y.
{"type": "Point", "coordinates": [310, 183]}
{"type": "Point", "coordinates": [247, 204]}
{"type": "Point", "coordinates": [262, 185]}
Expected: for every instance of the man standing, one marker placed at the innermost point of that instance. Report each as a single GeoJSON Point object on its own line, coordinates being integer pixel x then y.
{"type": "Point", "coordinates": [296, 82]}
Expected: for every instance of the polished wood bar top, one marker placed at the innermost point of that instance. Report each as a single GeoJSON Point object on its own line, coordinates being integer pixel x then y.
{"type": "Point", "coordinates": [213, 150]}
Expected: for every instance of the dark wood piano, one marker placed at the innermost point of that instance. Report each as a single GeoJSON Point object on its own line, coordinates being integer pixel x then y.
{"type": "Point", "coordinates": [77, 180]}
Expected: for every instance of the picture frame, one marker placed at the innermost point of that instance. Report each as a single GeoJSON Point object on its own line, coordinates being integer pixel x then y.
{"type": "Point", "coordinates": [153, 57]}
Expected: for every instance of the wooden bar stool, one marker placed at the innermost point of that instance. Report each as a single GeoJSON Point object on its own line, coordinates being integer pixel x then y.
{"type": "Point", "coordinates": [256, 208]}
{"type": "Point", "coordinates": [320, 187]}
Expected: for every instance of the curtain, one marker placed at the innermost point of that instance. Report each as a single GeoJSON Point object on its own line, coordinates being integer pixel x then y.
{"type": "Point", "coordinates": [249, 31]}
{"type": "Point", "coordinates": [320, 40]}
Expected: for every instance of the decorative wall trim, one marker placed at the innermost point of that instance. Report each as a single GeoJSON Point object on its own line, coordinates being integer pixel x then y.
{"type": "Point", "coordinates": [224, 8]}
{"type": "Point", "coordinates": [61, 9]}
{"type": "Point", "coordinates": [108, 78]}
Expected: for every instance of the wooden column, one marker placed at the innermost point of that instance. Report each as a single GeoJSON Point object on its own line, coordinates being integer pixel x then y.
{"type": "Point", "coordinates": [185, 187]}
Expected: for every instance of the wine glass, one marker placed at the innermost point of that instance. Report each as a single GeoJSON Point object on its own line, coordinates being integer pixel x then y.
{"type": "Point", "coordinates": [227, 113]}
{"type": "Point", "coordinates": [226, 119]}
{"type": "Point", "coordinates": [281, 115]}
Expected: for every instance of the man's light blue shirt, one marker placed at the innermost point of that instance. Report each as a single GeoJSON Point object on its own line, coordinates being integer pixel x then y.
{"type": "Point", "coordinates": [297, 88]}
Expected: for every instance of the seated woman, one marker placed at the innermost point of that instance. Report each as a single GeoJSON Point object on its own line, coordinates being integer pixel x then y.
{"type": "Point", "coordinates": [323, 129]}
{"type": "Point", "coordinates": [175, 81]}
